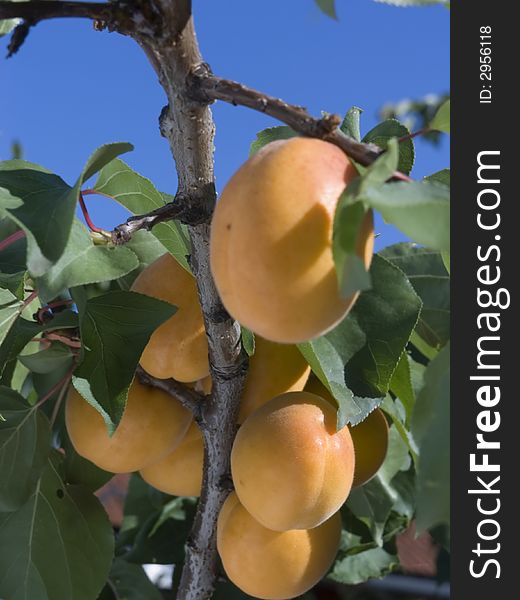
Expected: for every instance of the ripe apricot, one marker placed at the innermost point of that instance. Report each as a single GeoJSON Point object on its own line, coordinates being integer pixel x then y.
{"type": "Point", "coordinates": [370, 437]}
{"type": "Point", "coordinates": [178, 348]}
{"type": "Point", "coordinates": [273, 369]}
{"type": "Point", "coordinates": [152, 425]}
{"type": "Point", "coordinates": [180, 472]}
{"type": "Point", "coordinates": [290, 467]}
{"type": "Point", "coordinates": [271, 240]}
{"type": "Point", "coordinates": [271, 564]}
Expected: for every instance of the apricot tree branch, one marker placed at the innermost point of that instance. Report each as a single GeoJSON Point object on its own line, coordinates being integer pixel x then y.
{"type": "Point", "coordinates": [188, 126]}
{"type": "Point", "coordinates": [204, 86]}
{"type": "Point", "coordinates": [40, 10]}
{"type": "Point", "coordinates": [188, 397]}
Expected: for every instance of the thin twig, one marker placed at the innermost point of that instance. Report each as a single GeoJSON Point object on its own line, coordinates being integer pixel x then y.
{"type": "Point", "coordinates": [203, 86]}
{"type": "Point", "coordinates": [188, 397]}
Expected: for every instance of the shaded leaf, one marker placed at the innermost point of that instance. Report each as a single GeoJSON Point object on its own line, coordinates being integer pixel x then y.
{"type": "Point", "coordinates": [28, 193]}
{"type": "Point", "coordinates": [115, 328]}
{"type": "Point", "coordinates": [25, 439]}
{"type": "Point", "coordinates": [47, 360]}
{"type": "Point", "coordinates": [130, 582]}
{"type": "Point", "coordinates": [350, 125]}
{"type": "Point", "coordinates": [401, 385]}
{"type": "Point", "coordinates": [60, 543]}
{"type": "Point", "coordinates": [426, 272]}
{"type": "Point", "coordinates": [14, 282]}
{"type": "Point", "coordinates": [271, 134]}
{"type": "Point", "coordinates": [350, 268]}
{"type": "Point", "coordinates": [387, 314]}
{"type": "Point", "coordinates": [139, 196]}
{"type": "Point", "coordinates": [357, 568]}
{"type": "Point", "coordinates": [83, 262]}
{"type": "Point", "coordinates": [20, 334]}
{"type": "Point", "coordinates": [373, 502]}
{"type": "Point", "coordinates": [442, 176]}
{"type": "Point", "coordinates": [441, 121]}
{"type": "Point", "coordinates": [328, 7]}
{"type": "Point", "coordinates": [356, 360]}
{"type": "Point", "coordinates": [248, 340]}
{"type": "Point", "coordinates": [431, 429]}
{"type": "Point", "coordinates": [10, 307]}
{"type": "Point", "coordinates": [391, 128]}
{"type": "Point", "coordinates": [420, 209]}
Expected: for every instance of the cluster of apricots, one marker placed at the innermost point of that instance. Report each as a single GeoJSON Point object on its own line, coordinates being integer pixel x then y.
{"type": "Point", "coordinates": [279, 531]}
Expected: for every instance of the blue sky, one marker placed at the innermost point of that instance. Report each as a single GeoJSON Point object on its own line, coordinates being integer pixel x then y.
{"type": "Point", "coordinates": [71, 89]}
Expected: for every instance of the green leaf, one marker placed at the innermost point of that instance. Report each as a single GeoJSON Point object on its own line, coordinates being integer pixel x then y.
{"type": "Point", "coordinates": [80, 471]}
{"type": "Point", "coordinates": [60, 543]}
{"type": "Point", "coordinates": [271, 134]}
{"type": "Point", "coordinates": [130, 582]}
{"type": "Point", "coordinates": [387, 314]}
{"type": "Point", "coordinates": [373, 502]}
{"type": "Point", "coordinates": [420, 209]}
{"type": "Point", "coordinates": [20, 334]}
{"type": "Point", "coordinates": [426, 272]}
{"type": "Point", "coordinates": [431, 428]}
{"type": "Point", "coordinates": [356, 360]}
{"type": "Point", "coordinates": [440, 177]}
{"type": "Point", "coordinates": [139, 196]}
{"type": "Point", "coordinates": [47, 360]}
{"type": "Point", "coordinates": [391, 128]}
{"type": "Point", "coordinates": [43, 205]}
{"type": "Point", "coordinates": [350, 124]}
{"type": "Point", "coordinates": [25, 440]}
{"type": "Point", "coordinates": [115, 328]}
{"type": "Point", "coordinates": [248, 340]}
{"type": "Point", "coordinates": [357, 568]}
{"type": "Point", "coordinates": [441, 121]}
{"type": "Point", "coordinates": [401, 385]}
{"type": "Point", "coordinates": [142, 539]}
{"type": "Point", "coordinates": [83, 263]}
{"type": "Point", "coordinates": [14, 282]}
{"type": "Point", "coordinates": [350, 268]}
{"type": "Point", "coordinates": [7, 25]}
{"type": "Point", "coordinates": [10, 308]}
{"type": "Point", "coordinates": [328, 7]}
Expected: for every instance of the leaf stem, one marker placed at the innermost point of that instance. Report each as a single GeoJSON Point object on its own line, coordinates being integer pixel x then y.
{"type": "Point", "coordinates": [88, 220]}
{"type": "Point", "coordinates": [14, 237]}
{"type": "Point", "coordinates": [64, 380]}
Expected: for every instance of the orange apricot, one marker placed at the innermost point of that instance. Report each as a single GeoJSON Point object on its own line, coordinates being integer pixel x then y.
{"type": "Point", "coordinates": [370, 437]}
{"type": "Point", "coordinates": [153, 423]}
{"type": "Point", "coordinates": [180, 472]}
{"type": "Point", "coordinates": [271, 564]}
{"type": "Point", "coordinates": [291, 468]}
{"type": "Point", "coordinates": [178, 348]}
{"type": "Point", "coordinates": [271, 240]}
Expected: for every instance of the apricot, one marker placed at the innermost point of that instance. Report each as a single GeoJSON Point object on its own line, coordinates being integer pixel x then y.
{"type": "Point", "coordinates": [180, 472]}
{"type": "Point", "coordinates": [370, 437]}
{"type": "Point", "coordinates": [291, 468]}
{"type": "Point", "coordinates": [178, 348]}
{"type": "Point", "coordinates": [271, 240]}
{"type": "Point", "coordinates": [273, 369]}
{"type": "Point", "coordinates": [271, 564]}
{"type": "Point", "coordinates": [153, 423]}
